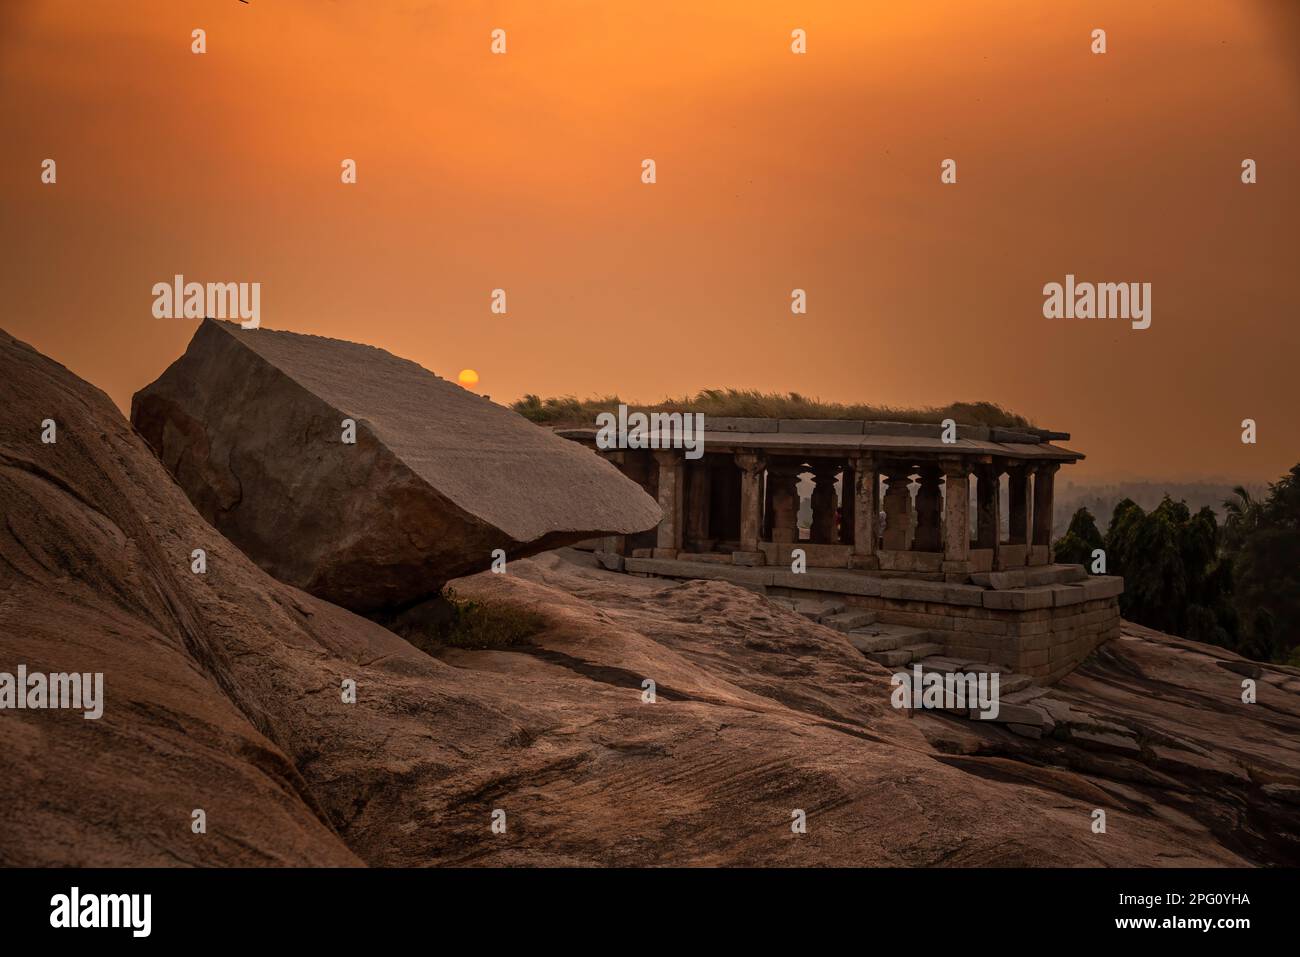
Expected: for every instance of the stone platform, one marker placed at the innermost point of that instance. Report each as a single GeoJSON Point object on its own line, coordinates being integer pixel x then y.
{"type": "Point", "coordinates": [1040, 621]}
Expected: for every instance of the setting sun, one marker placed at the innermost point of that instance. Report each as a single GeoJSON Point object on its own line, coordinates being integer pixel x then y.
{"type": "Point", "coordinates": [468, 378]}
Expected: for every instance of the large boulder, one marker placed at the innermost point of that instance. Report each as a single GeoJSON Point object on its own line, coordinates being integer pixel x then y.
{"type": "Point", "coordinates": [252, 425]}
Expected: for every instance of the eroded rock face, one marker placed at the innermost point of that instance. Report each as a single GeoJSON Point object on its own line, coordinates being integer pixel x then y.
{"type": "Point", "coordinates": [251, 424]}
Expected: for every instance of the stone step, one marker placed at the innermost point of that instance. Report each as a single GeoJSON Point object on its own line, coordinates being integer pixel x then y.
{"type": "Point", "coordinates": [1010, 683]}
{"type": "Point", "coordinates": [880, 637]}
{"type": "Point", "coordinates": [891, 659]}
{"type": "Point", "coordinates": [940, 664]}
{"type": "Point", "coordinates": [1055, 574]}
{"type": "Point", "coordinates": [1021, 714]}
{"type": "Point", "coordinates": [1025, 696]}
{"type": "Point", "coordinates": [817, 610]}
{"type": "Point", "coordinates": [848, 620]}
{"type": "Point", "coordinates": [905, 633]}
{"type": "Point", "coordinates": [868, 642]}
{"type": "Point", "coordinates": [922, 649]}
{"type": "Point", "coordinates": [1059, 710]}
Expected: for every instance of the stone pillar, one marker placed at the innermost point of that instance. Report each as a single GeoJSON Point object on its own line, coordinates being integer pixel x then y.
{"type": "Point", "coordinates": [698, 497]}
{"type": "Point", "coordinates": [898, 502]}
{"type": "Point", "coordinates": [1018, 504]}
{"type": "Point", "coordinates": [783, 490]}
{"type": "Point", "coordinates": [956, 520]}
{"type": "Point", "coordinates": [671, 487]}
{"type": "Point", "coordinates": [823, 504]}
{"type": "Point", "coordinates": [988, 524]}
{"type": "Point", "coordinates": [929, 532]}
{"type": "Point", "coordinates": [1044, 486]}
{"type": "Point", "coordinates": [751, 467]}
{"type": "Point", "coordinates": [864, 494]}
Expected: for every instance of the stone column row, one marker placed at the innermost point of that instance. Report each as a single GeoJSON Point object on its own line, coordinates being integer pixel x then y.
{"type": "Point", "coordinates": [943, 527]}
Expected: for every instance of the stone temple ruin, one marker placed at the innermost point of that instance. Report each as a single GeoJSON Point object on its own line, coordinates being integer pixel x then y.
{"type": "Point", "coordinates": [370, 482]}
{"type": "Point", "coordinates": [906, 550]}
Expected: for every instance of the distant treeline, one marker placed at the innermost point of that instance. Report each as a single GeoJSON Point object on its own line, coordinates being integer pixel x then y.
{"type": "Point", "coordinates": [1101, 499]}
{"type": "Point", "coordinates": [1234, 584]}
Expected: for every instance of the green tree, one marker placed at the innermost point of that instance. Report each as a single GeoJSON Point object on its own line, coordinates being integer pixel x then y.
{"type": "Point", "coordinates": [1173, 578]}
{"type": "Point", "coordinates": [1076, 546]}
{"type": "Point", "coordinates": [1235, 585]}
{"type": "Point", "coordinates": [1241, 517]}
{"type": "Point", "coordinates": [1264, 552]}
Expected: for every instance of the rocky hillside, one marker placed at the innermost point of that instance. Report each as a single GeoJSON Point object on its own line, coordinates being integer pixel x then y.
{"type": "Point", "coordinates": [223, 694]}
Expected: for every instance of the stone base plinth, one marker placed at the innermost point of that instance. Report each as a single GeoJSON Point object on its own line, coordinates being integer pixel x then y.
{"type": "Point", "coordinates": [1042, 629]}
{"type": "Point", "coordinates": [1011, 556]}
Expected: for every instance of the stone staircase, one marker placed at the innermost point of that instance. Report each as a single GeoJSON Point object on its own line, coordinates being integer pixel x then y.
{"type": "Point", "coordinates": [1025, 708]}
{"type": "Point", "coordinates": [895, 646]}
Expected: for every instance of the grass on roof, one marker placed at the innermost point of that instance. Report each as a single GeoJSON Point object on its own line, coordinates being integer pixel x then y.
{"type": "Point", "coordinates": [576, 413]}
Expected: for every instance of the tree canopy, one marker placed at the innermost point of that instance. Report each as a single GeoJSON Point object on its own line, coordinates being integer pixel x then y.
{"type": "Point", "coordinates": [1235, 584]}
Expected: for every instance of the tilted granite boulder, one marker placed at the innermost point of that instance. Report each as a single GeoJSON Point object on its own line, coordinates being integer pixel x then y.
{"type": "Point", "coordinates": [252, 422]}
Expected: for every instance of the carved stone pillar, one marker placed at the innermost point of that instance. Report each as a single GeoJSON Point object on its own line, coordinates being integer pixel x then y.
{"type": "Point", "coordinates": [864, 493]}
{"type": "Point", "coordinates": [929, 531]}
{"type": "Point", "coordinates": [988, 533]}
{"type": "Point", "coordinates": [1044, 489]}
{"type": "Point", "coordinates": [751, 467]}
{"type": "Point", "coordinates": [956, 520]}
{"type": "Point", "coordinates": [671, 487]}
{"type": "Point", "coordinates": [783, 490]}
{"type": "Point", "coordinates": [823, 504]}
{"type": "Point", "coordinates": [898, 501]}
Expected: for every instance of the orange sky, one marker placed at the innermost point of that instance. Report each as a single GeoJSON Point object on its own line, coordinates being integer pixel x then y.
{"type": "Point", "coordinates": [775, 171]}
